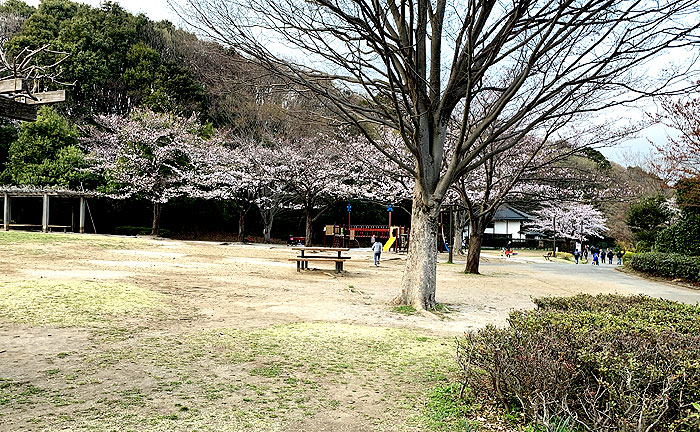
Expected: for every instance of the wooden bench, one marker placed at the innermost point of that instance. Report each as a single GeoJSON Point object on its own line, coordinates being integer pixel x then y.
{"type": "Point", "coordinates": [303, 260]}
{"type": "Point", "coordinates": [65, 228]}
{"type": "Point", "coordinates": [39, 226]}
{"type": "Point", "coordinates": [548, 256]}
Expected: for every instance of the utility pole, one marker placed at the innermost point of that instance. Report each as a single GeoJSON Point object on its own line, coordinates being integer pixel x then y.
{"type": "Point", "coordinates": [390, 209]}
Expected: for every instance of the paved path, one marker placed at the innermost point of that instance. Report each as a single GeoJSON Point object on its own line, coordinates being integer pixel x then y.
{"type": "Point", "coordinates": [590, 278]}
{"type": "Point", "coordinates": [609, 275]}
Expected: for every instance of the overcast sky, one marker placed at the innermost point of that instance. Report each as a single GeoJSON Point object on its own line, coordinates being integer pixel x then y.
{"type": "Point", "coordinates": [159, 10]}
{"type": "Point", "coordinates": [155, 9]}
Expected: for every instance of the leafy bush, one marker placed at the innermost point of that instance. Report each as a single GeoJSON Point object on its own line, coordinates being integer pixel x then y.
{"type": "Point", "coordinates": [671, 265]}
{"type": "Point", "coordinates": [136, 230]}
{"type": "Point", "coordinates": [598, 363]}
{"type": "Point", "coordinates": [682, 237]}
{"type": "Point", "coordinates": [628, 256]}
{"type": "Point", "coordinates": [642, 246]}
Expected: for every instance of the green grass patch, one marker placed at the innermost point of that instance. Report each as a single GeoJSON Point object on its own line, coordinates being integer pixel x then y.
{"type": "Point", "coordinates": [19, 395]}
{"type": "Point", "coordinates": [266, 371]}
{"type": "Point", "coordinates": [404, 310]}
{"type": "Point", "coordinates": [445, 410]}
{"type": "Point", "coordinates": [68, 303]}
{"type": "Point", "coordinates": [288, 372]}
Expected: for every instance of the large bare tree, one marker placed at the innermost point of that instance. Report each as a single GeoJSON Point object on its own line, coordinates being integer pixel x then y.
{"type": "Point", "coordinates": [411, 65]}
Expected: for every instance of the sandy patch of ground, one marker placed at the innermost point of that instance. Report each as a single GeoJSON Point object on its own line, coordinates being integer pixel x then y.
{"type": "Point", "coordinates": [155, 254]}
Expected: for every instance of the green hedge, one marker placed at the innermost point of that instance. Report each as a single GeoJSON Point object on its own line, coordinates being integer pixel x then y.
{"type": "Point", "coordinates": [671, 265]}
{"type": "Point", "coordinates": [598, 363]}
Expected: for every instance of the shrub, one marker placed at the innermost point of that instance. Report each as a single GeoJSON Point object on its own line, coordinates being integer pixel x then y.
{"type": "Point", "coordinates": [671, 265]}
{"type": "Point", "coordinates": [136, 230]}
{"type": "Point", "coordinates": [642, 246]}
{"type": "Point", "coordinates": [682, 237]}
{"type": "Point", "coordinates": [598, 363]}
{"type": "Point", "coordinates": [628, 256]}
{"type": "Point", "coordinates": [566, 256]}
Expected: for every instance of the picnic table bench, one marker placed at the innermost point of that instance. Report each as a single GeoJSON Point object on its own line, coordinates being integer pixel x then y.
{"type": "Point", "coordinates": [303, 260]}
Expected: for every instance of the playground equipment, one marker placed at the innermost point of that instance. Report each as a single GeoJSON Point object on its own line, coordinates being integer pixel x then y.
{"type": "Point", "coordinates": [388, 244]}
{"type": "Point", "coordinates": [350, 235]}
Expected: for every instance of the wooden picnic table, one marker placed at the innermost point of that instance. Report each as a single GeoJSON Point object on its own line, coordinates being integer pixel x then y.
{"type": "Point", "coordinates": [303, 260]}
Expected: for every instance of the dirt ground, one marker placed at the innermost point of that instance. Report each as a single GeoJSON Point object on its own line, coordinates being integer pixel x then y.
{"type": "Point", "coordinates": [101, 374]}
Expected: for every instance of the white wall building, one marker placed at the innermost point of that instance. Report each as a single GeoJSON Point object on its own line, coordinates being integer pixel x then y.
{"type": "Point", "coordinates": [507, 223]}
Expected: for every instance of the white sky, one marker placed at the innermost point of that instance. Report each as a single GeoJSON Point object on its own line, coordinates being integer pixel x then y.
{"type": "Point", "coordinates": [155, 9]}
{"type": "Point", "coordinates": [159, 10]}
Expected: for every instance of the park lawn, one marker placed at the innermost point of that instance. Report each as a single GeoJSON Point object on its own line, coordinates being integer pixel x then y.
{"type": "Point", "coordinates": [71, 303]}
{"type": "Point", "coordinates": [32, 239]}
{"type": "Point", "coordinates": [138, 368]}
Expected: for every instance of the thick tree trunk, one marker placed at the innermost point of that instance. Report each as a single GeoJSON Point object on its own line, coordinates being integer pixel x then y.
{"type": "Point", "coordinates": [155, 227]}
{"type": "Point", "coordinates": [418, 283]}
{"type": "Point", "coordinates": [241, 226]}
{"type": "Point", "coordinates": [474, 252]}
{"type": "Point", "coordinates": [477, 226]}
{"type": "Point", "coordinates": [309, 226]}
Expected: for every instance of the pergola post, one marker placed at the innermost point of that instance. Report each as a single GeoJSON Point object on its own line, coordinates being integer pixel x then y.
{"type": "Point", "coordinates": [45, 215]}
{"type": "Point", "coordinates": [6, 213]}
{"type": "Point", "coordinates": [81, 220]}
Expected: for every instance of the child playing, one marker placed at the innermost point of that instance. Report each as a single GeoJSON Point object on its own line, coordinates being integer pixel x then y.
{"type": "Point", "coordinates": [377, 248]}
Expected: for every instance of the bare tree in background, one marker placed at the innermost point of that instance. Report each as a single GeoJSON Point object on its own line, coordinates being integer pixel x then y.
{"type": "Point", "coordinates": [23, 77]}
{"type": "Point", "coordinates": [412, 65]}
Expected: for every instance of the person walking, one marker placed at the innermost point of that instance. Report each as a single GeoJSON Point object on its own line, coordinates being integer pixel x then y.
{"type": "Point", "coordinates": [576, 255]}
{"type": "Point", "coordinates": [595, 259]}
{"type": "Point", "coordinates": [611, 254]}
{"type": "Point", "coordinates": [585, 253]}
{"type": "Point", "coordinates": [620, 254]}
{"type": "Point", "coordinates": [377, 248]}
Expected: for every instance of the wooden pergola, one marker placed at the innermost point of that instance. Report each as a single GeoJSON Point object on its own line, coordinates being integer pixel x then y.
{"type": "Point", "coordinates": [45, 195]}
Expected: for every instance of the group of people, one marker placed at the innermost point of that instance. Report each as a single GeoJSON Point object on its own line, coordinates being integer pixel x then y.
{"type": "Point", "coordinates": [599, 255]}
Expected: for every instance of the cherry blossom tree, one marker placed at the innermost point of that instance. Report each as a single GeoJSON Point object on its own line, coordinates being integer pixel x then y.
{"type": "Point", "coordinates": [569, 220]}
{"type": "Point", "coordinates": [259, 179]}
{"type": "Point", "coordinates": [156, 157]}
{"type": "Point", "coordinates": [314, 172]}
